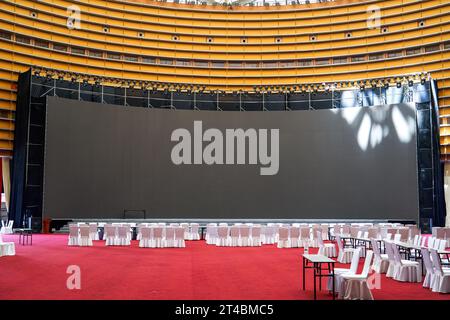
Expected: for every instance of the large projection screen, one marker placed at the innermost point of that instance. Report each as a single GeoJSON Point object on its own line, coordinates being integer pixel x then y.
{"type": "Point", "coordinates": [351, 163]}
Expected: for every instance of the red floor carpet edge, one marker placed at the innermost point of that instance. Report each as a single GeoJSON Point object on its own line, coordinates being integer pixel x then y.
{"type": "Point", "coordinates": [199, 271]}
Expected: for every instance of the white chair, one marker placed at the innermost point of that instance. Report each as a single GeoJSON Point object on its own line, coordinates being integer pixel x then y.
{"type": "Point", "coordinates": [314, 241]}
{"type": "Point", "coordinates": [441, 281]}
{"type": "Point", "coordinates": [283, 237]}
{"type": "Point", "coordinates": [406, 270]}
{"type": "Point", "coordinates": [355, 286]}
{"type": "Point", "coordinates": [110, 235]}
{"type": "Point", "coordinates": [7, 248]}
{"type": "Point", "coordinates": [139, 230]}
{"type": "Point", "coordinates": [145, 238]}
{"type": "Point", "coordinates": [85, 238]}
{"type": "Point", "coordinates": [194, 231]}
{"type": "Point", "coordinates": [123, 236]}
{"type": "Point", "coordinates": [380, 261]}
{"type": "Point", "coordinates": [391, 268]}
{"type": "Point", "coordinates": [326, 249]}
{"type": "Point", "coordinates": [294, 237]}
{"type": "Point", "coordinates": [345, 254]}
{"type": "Point", "coordinates": [269, 234]}
{"type": "Point", "coordinates": [179, 237]}
{"type": "Point", "coordinates": [338, 272]}
{"type": "Point", "coordinates": [187, 232]}
{"type": "Point", "coordinates": [8, 228]}
{"type": "Point", "coordinates": [304, 237]}
{"type": "Point", "coordinates": [429, 276]}
{"type": "Point", "coordinates": [244, 236]}
{"type": "Point", "coordinates": [169, 237]}
{"type": "Point", "coordinates": [255, 240]}
{"type": "Point", "coordinates": [74, 236]}
{"type": "Point", "coordinates": [93, 231]}
{"type": "Point", "coordinates": [211, 234]}
{"type": "Point", "coordinates": [157, 240]}
{"type": "Point", "coordinates": [223, 238]}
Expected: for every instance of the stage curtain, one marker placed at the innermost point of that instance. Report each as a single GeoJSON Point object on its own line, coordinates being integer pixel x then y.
{"type": "Point", "coordinates": [447, 190]}
{"type": "Point", "coordinates": [6, 180]}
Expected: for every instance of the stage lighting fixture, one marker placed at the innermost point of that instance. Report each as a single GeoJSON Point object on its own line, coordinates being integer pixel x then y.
{"type": "Point", "coordinates": [423, 81]}
{"type": "Point", "coordinates": [399, 84]}
{"type": "Point", "coordinates": [410, 83]}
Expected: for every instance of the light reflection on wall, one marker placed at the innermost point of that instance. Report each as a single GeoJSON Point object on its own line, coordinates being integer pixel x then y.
{"type": "Point", "coordinates": [372, 127]}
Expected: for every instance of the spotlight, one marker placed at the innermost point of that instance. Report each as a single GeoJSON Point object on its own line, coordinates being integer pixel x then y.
{"type": "Point", "coordinates": [399, 84]}
{"type": "Point", "coordinates": [410, 83]}
{"type": "Point", "coordinates": [423, 81]}
{"type": "Point", "coordinates": [386, 85]}
{"type": "Point", "coordinates": [362, 87]}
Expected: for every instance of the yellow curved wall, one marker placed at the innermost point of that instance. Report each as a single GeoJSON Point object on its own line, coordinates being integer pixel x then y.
{"type": "Point", "coordinates": [225, 48]}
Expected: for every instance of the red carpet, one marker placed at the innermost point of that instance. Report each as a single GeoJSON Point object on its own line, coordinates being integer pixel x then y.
{"type": "Point", "coordinates": [199, 271]}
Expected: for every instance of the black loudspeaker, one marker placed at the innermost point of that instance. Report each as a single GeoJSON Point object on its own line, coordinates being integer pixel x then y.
{"type": "Point", "coordinates": [36, 224]}
{"type": "Point", "coordinates": [425, 225]}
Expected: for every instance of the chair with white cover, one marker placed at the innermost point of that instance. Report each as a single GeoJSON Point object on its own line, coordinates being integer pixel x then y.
{"type": "Point", "coordinates": [139, 230]}
{"type": "Point", "coordinates": [85, 237]}
{"type": "Point", "coordinates": [157, 237]}
{"type": "Point", "coordinates": [123, 236]}
{"type": "Point", "coordinates": [314, 241]}
{"type": "Point", "coordinates": [397, 237]}
{"type": "Point", "coordinates": [244, 236]}
{"type": "Point", "coordinates": [145, 238]}
{"type": "Point", "coordinates": [7, 248]}
{"type": "Point", "coordinates": [283, 237]}
{"type": "Point", "coordinates": [441, 281]}
{"type": "Point", "coordinates": [305, 239]}
{"type": "Point", "coordinates": [223, 239]}
{"type": "Point", "coordinates": [255, 240]}
{"type": "Point", "coordinates": [179, 237]}
{"type": "Point", "coordinates": [74, 235]}
{"type": "Point", "coordinates": [429, 276]}
{"type": "Point", "coordinates": [93, 231]}
{"type": "Point", "coordinates": [324, 228]}
{"type": "Point", "coordinates": [185, 226]}
{"type": "Point", "coordinates": [404, 234]}
{"type": "Point", "coordinates": [193, 232]}
{"type": "Point", "coordinates": [405, 270]}
{"type": "Point", "coordinates": [294, 237]}
{"type": "Point", "coordinates": [110, 235]}
{"type": "Point", "coordinates": [380, 261]}
{"type": "Point", "coordinates": [345, 254]}
{"type": "Point", "coordinates": [326, 249]}
{"type": "Point", "coordinates": [8, 228]}
{"type": "Point", "coordinates": [269, 236]}
{"type": "Point", "coordinates": [390, 273]}
{"type": "Point", "coordinates": [169, 237]}
{"type": "Point", "coordinates": [340, 271]}
{"type": "Point", "coordinates": [355, 286]}
{"type": "Point", "coordinates": [211, 233]}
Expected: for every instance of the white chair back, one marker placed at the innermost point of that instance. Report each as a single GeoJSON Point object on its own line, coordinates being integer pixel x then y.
{"type": "Point", "coordinates": [367, 263]}
{"type": "Point", "coordinates": [84, 231]}
{"type": "Point", "coordinates": [283, 233]}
